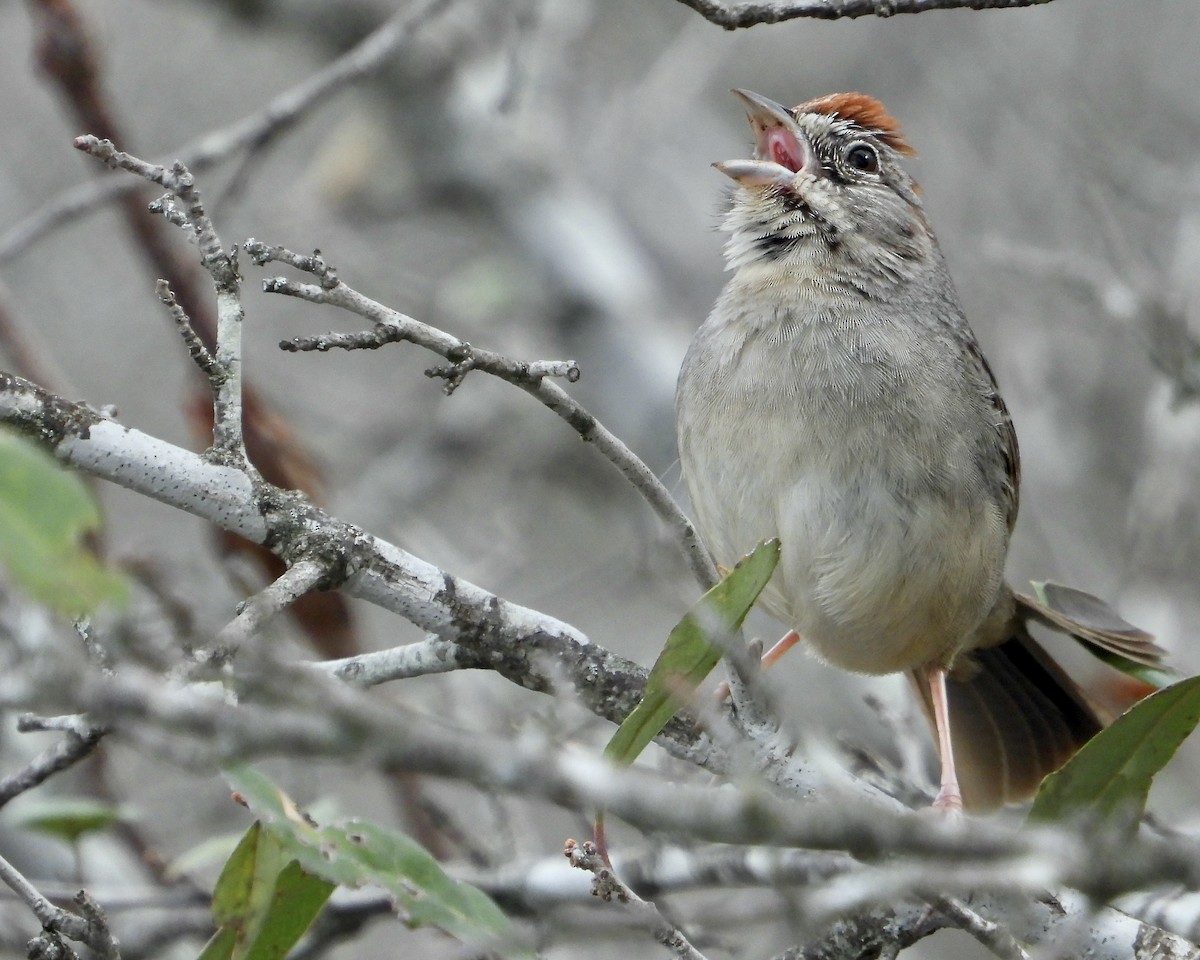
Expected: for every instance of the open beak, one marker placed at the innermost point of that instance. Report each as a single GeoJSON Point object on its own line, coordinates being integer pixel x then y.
{"type": "Point", "coordinates": [781, 150]}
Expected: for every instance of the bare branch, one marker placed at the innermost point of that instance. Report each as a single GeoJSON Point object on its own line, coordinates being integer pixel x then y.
{"type": "Point", "coordinates": [392, 326]}
{"type": "Point", "coordinates": [264, 606]}
{"type": "Point", "coordinates": [319, 719]}
{"type": "Point", "coordinates": [608, 887]}
{"type": "Point", "coordinates": [196, 349]}
{"type": "Point", "coordinates": [431, 655]}
{"type": "Point", "coordinates": [991, 934]}
{"type": "Point", "coordinates": [80, 740]}
{"type": "Point", "coordinates": [221, 266]}
{"type": "Point", "coordinates": [529, 648]}
{"type": "Point", "coordinates": [272, 121]}
{"type": "Point", "coordinates": [278, 714]}
{"type": "Point", "coordinates": [749, 14]}
{"type": "Point", "coordinates": [91, 928]}
{"type": "Point", "coordinates": [399, 327]}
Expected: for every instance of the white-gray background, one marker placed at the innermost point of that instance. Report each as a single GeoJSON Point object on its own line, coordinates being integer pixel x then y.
{"type": "Point", "coordinates": [534, 177]}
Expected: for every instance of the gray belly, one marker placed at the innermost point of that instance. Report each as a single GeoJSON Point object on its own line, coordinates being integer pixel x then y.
{"type": "Point", "coordinates": [893, 545]}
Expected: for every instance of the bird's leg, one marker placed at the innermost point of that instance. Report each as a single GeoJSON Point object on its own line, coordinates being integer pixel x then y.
{"type": "Point", "coordinates": [785, 643]}
{"type": "Point", "coordinates": [949, 799]}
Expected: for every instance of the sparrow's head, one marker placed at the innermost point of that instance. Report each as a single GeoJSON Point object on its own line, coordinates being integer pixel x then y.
{"type": "Point", "coordinates": [826, 187]}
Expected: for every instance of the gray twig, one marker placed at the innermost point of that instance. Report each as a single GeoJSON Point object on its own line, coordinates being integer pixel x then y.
{"type": "Point", "coordinates": [749, 14]}
{"type": "Point", "coordinates": [221, 266]}
{"type": "Point", "coordinates": [273, 120]}
{"type": "Point", "coordinates": [533, 378]}
{"type": "Point", "coordinates": [432, 655]}
{"type": "Point", "coordinates": [91, 928]}
{"type": "Point", "coordinates": [195, 346]}
{"type": "Point", "coordinates": [608, 887]}
{"type": "Point", "coordinates": [81, 738]}
{"type": "Point", "coordinates": [991, 934]}
{"type": "Point", "coordinates": [257, 611]}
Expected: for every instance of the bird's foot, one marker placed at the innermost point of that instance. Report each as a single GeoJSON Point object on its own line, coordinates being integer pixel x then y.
{"type": "Point", "coordinates": [949, 803]}
{"type": "Point", "coordinates": [789, 640]}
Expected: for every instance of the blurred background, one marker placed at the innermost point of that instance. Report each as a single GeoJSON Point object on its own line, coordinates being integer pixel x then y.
{"type": "Point", "coordinates": [533, 176]}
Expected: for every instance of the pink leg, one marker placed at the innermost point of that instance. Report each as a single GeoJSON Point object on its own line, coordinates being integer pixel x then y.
{"type": "Point", "coordinates": [786, 642]}
{"type": "Point", "coordinates": [949, 798]}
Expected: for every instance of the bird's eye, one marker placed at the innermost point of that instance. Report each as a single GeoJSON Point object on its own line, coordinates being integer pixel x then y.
{"type": "Point", "coordinates": [862, 157]}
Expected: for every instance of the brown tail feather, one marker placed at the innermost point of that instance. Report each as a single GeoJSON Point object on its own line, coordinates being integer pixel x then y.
{"type": "Point", "coordinates": [1015, 717]}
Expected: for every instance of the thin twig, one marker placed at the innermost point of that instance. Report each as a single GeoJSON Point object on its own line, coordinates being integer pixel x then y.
{"type": "Point", "coordinates": [91, 928]}
{"type": "Point", "coordinates": [397, 326]}
{"type": "Point", "coordinates": [392, 326]}
{"type": "Point", "coordinates": [608, 887]}
{"type": "Point", "coordinates": [749, 14]}
{"type": "Point", "coordinates": [195, 346]}
{"type": "Point", "coordinates": [991, 934]}
{"type": "Point", "coordinates": [268, 603]}
{"type": "Point", "coordinates": [221, 266]}
{"type": "Point", "coordinates": [432, 655]}
{"type": "Point", "coordinates": [81, 738]}
{"type": "Point", "coordinates": [277, 117]}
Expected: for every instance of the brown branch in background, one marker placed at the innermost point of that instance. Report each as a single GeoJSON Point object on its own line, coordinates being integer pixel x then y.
{"type": "Point", "coordinates": [775, 11]}
{"type": "Point", "coordinates": [247, 136]}
{"type": "Point", "coordinates": [24, 352]}
{"type": "Point", "coordinates": [67, 55]}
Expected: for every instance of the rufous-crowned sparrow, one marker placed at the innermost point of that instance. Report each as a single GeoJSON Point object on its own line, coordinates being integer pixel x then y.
{"type": "Point", "coordinates": [837, 398]}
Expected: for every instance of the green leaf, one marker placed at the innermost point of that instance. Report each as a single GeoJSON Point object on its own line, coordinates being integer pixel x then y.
{"type": "Point", "coordinates": [221, 945]}
{"type": "Point", "coordinates": [263, 901]}
{"type": "Point", "coordinates": [295, 902]}
{"type": "Point", "coordinates": [69, 818]}
{"type": "Point", "coordinates": [1159, 677]}
{"type": "Point", "coordinates": [45, 512]}
{"type": "Point", "coordinates": [1112, 774]}
{"type": "Point", "coordinates": [355, 853]}
{"type": "Point", "coordinates": [688, 656]}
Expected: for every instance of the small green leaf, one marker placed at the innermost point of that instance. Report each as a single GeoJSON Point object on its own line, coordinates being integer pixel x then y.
{"type": "Point", "coordinates": [69, 817]}
{"type": "Point", "coordinates": [1159, 677]}
{"type": "Point", "coordinates": [240, 890]}
{"type": "Point", "coordinates": [45, 512]}
{"type": "Point", "coordinates": [1112, 774]}
{"type": "Point", "coordinates": [221, 945]}
{"type": "Point", "coordinates": [296, 900]}
{"type": "Point", "coordinates": [263, 901]}
{"type": "Point", "coordinates": [688, 656]}
{"type": "Point", "coordinates": [354, 853]}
